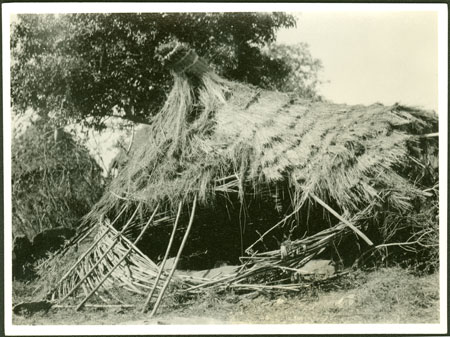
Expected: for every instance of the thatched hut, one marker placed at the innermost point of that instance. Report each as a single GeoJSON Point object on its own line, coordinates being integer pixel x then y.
{"type": "Point", "coordinates": [267, 170]}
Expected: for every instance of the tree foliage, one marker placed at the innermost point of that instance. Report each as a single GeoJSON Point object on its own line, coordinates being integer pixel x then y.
{"type": "Point", "coordinates": [300, 69]}
{"type": "Point", "coordinates": [54, 183]}
{"type": "Point", "coordinates": [96, 65]}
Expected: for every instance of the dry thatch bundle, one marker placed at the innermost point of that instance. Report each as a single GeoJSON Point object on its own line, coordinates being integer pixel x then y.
{"type": "Point", "coordinates": [233, 144]}
{"type": "Point", "coordinates": [352, 154]}
{"type": "Point", "coordinates": [54, 183]}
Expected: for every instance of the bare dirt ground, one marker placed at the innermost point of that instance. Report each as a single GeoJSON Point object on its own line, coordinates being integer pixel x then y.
{"type": "Point", "coordinates": [389, 295]}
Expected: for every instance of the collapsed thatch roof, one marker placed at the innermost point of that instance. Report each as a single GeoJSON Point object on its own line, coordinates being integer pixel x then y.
{"type": "Point", "coordinates": [215, 137]}
{"type": "Point", "coordinates": [230, 137]}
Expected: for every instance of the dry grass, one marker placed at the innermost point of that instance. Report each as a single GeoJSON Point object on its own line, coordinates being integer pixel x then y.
{"type": "Point", "coordinates": [391, 295]}
{"type": "Point", "coordinates": [385, 296]}
{"type": "Point", "coordinates": [347, 154]}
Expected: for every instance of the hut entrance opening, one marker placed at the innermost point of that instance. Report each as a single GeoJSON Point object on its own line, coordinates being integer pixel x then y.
{"type": "Point", "coordinates": [226, 226]}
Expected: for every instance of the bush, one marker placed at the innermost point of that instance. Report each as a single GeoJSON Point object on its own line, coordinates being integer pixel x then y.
{"type": "Point", "coordinates": [54, 180]}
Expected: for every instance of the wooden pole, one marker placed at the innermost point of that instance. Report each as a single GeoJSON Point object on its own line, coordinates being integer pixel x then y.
{"type": "Point", "coordinates": [125, 239]}
{"type": "Point", "coordinates": [337, 215]}
{"type": "Point", "coordinates": [429, 135]}
{"type": "Point", "coordinates": [163, 290]}
{"type": "Point", "coordinates": [163, 263]}
{"type": "Point", "coordinates": [115, 241]}
{"type": "Point", "coordinates": [97, 306]}
{"type": "Point", "coordinates": [248, 250]}
{"type": "Point", "coordinates": [81, 258]}
{"type": "Point", "coordinates": [119, 262]}
{"type": "Point", "coordinates": [79, 261]}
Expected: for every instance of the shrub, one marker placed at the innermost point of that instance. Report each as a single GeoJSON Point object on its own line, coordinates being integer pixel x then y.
{"type": "Point", "coordinates": [54, 180]}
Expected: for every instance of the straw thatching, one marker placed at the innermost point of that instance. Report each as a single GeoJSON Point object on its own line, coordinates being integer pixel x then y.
{"type": "Point", "coordinates": [233, 144]}
{"type": "Point", "coordinates": [345, 153]}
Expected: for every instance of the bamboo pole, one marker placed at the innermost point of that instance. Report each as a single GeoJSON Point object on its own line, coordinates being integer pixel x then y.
{"type": "Point", "coordinates": [76, 239]}
{"type": "Point", "coordinates": [127, 241]}
{"type": "Point", "coordinates": [119, 262]}
{"type": "Point", "coordinates": [115, 241]}
{"type": "Point", "coordinates": [429, 135]}
{"type": "Point", "coordinates": [81, 258]}
{"type": "Point", "coordinates": [271, 229]}
{"type": "Point", "coordinates": [180, 250]}
{"type": "Point", "coordinates": [163, 263]}
{"type": "Point", "coordinates": [232, 278]}
{"type": "Point", "coordinates": [97, 306]}
{"type": "Point", "coordinates": [209, 283]}
{"type": "Point", "coordinates": [263, 287]}
{"type": "Point", "coordinates": [337, 215]}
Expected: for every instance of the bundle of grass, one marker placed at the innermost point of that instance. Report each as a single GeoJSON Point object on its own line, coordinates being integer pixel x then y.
{"type": "Point", "coordinates": [279, 167]}
{"type": "Point", "coordinates": [54, 180]}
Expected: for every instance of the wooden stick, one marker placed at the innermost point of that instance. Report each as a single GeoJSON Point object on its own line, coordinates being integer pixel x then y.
{"type": "Point", "coordinates": [429, 135]}
{"type": "Point", "coordinates": [336, 214]}
{"type": "Point", "coordinates": [132, 138]}
{"type": "Point", "coordinates": [97, 306]}
{"type": "Point", "coordinates": [136, 249]}
{"type": "Point", "coordinates": [271, 229]}
{"type": "Point", "coordinates": [83, 286]}
{"type": "Point", "coordinates": [260, 286]}
{"type": "Point", "coordinates": [119, 262]}
{"type": "Point", "coordinates": [163, 290]}
{"type": "Point", "coordinates": [81, 258]}
{"type": "Point", "coordinates": [115, 241]}
{"type": "Point", "coordinates": [74, 240]}
{"type": "Point", "coordinates": [84, 255]}
{"type": "Point", "coordinates": [83, 234]}
{"type": "Point", "coordinates": [163, 263]}
{"type": "Point", "coordinates": [226, 278]}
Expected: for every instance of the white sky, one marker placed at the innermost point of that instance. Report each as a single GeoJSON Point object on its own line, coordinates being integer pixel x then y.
{"type": "Point", "coordinates": [370, 57]}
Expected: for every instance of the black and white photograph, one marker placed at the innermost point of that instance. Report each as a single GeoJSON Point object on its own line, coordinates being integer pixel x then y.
{"type": "Point", "coordinates": [225, 168]}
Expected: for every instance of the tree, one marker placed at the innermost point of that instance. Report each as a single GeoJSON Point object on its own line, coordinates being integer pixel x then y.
{"type": "Point", "coordinates": [300, 69]}
{"type": "Point", "coordinates": [54, 183]}
{"type": "Point", "coordinates": [76, 66]}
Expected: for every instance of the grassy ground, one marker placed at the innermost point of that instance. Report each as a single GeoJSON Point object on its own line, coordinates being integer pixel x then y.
{"type": "Point", "coordinates": [390, 295]}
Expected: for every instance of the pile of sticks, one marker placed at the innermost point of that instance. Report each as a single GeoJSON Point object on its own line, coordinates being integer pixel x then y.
{"type": "Point", "coordinates": [114, 261]}
{"type": "Point", "coordinates": [280, 269]}
{"type": "Point", "coordinates": [275, 270]}
{"type": "Point", "coordinates": [111, 260]}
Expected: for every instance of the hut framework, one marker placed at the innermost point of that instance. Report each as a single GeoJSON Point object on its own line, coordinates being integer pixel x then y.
{"type": "Point", "coordinates": [218, 143]}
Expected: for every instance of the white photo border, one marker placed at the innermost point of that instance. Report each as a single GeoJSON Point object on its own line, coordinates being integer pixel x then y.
{"type": "Point", "coordinates": [61, 330]}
